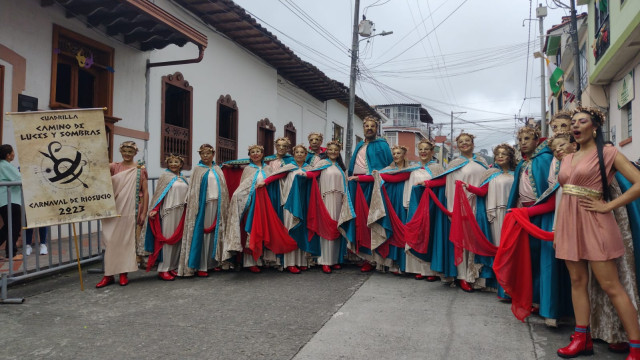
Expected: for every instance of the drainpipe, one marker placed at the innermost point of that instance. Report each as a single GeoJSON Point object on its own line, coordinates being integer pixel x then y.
{"type": "Point", "coordinates": [179, 62]}
{"type": "Point", "coordinates": [148, 79]}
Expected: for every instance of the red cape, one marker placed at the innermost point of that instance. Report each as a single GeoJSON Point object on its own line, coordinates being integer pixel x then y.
{"type": "Point", "coordinates": [465, 231]}
{"type": "Point", "coordinates": [267, 228]}
{"type": "Point", "coordinates": [319, 220]}
{"type": "Point", "coordinates": [512, 264]}
{"type": "Point", "coordinates": [159, 239]}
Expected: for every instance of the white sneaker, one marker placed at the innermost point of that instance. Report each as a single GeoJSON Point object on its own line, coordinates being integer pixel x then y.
{"type": "Point", "coordinates": [43, 249]}
{"type": "Point", "coordinates": [28, 250]}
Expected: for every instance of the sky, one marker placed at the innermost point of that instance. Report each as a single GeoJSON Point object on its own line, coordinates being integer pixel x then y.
{"type": "Point", "coordinates": [468, 56]}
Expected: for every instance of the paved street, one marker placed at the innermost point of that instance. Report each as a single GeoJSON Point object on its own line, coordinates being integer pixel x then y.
{"type": "Point", "coordinates": [345, 315]}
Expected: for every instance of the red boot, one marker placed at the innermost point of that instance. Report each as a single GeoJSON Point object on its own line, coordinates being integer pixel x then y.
{"type": "Point", "coordinates": [123, 279]}
{"type": "Point", "coordinates": [293, 269]}
{"type": "Point", "coordinates": [367, 267]}
{"type": "Point", "coordinates": [419, 277]}
{"type": "Point", "coordinates": [173, 273]}
{"type": "Point", "coordinates": [432, 278]}
{"type": "Point", "coordinates": [202, 274]}
{"type": "Point", "coordinates": [254, 269]}
{"type": "Point", "coordinates": [581, 344]}
{"type": "Point", "coordinates": [304, 268]}
{"type": "Point", "coordinates": [634, 350]}
{"type": "Point", "coordinates": [465, 286]}
{"type": "Point", "coordinates": [336, 267]}
{"type": "Point", "coordinates": [326, 269]}
{"type": "Point", "coordinates": [106, 280]}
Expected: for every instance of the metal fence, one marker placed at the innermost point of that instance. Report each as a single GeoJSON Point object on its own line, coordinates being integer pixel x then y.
{"type": "Point", "coordinates": [61, 252]}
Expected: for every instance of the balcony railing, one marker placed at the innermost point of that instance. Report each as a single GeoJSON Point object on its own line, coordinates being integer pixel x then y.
{"type": "Point", "coordinates": [601, 43]}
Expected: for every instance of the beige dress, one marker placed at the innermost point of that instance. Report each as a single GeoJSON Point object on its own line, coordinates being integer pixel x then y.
{"type": "Point", "coordinates": [119, 233]}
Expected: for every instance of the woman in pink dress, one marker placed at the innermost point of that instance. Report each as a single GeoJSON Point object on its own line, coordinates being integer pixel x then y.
{"type": "Point", "coordinates": [587, 235]}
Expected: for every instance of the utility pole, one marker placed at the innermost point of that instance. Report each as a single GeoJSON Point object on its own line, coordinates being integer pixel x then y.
{"type": "Point", "coordinates": [352, 82]}
{"type": "Point", "coordinates": [541, 12]}
{"type": "Point", "coordinates": [451, 150]}
{"type": "Point", "coordinates": [365, 31]}
{"type": "Point", "coordinates": [576, 51]}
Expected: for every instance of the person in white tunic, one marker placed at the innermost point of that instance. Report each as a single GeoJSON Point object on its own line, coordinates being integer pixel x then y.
{"type": "Point", "coordinates": [333, 187]}
{"type": "Point", "coordinates": [296, 260]}
{"type": "Point", "coordinates": [493, 194]}
{"type": "Point", "coordinates": [207, 205]}
{"type": "Point", "coordinates": [429, 168]}
{"type": "Point", "coordinates": [257, 171]}
{"type": "Point", "coordinates": [169, 202]}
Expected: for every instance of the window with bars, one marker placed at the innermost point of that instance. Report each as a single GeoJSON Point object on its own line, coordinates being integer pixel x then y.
{"type": "Point", "coordinates": [338, 133]}
{"type": "Point", "coordinates": [227, 129]}
{"type": "Point", "coordinates": [177, 118]}
{"type": "Point", "coordinates": [266, 135]}
{"type": "Point", "coordinates": [290, 133]}
{"type": "Point", "coordinates": [392, 138]}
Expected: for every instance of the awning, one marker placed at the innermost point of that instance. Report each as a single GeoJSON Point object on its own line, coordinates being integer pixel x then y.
{"type": "Point", "coordinates": [138, 23]}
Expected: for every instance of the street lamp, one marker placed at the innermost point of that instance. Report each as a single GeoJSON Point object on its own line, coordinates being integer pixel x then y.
{"type": "Point", "coordinates": [352, 78]}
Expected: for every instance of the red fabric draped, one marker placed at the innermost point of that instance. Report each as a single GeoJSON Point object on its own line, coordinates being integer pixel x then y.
{"type": "Point", "coordinates": [232, 177]}
{"type": "Point", "coordinates": [465, 231]}
{"type": "Point", "coordinates": [399, 230]}
{"type": "Point", "coordinates": [417, 230]}
{"type": "Point", "coordinates": [512, 264]}
{"type": "Point", "coordinates": [268, 229]}
{"type": "Point", "coordinates": [319, 220]}
{"type": "Point", "coordinates": [210, 229]}
{"type": "Point", "coordinates": [435, 200]}
{"type": "Point", "coordinates": [399, 236]}
{"type": "Point", "coordinates": [363, 235]}
{"type": "Point", "coordinates": [275, 177]}
{"type": "Point", "coordinates": [159, 239]}
{"type": "Point", "coordinates": [397, 177]}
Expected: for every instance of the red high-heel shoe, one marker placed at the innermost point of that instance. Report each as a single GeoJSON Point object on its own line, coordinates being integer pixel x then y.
{"type": "Point", "coordinates": [326, 269]}
{"type": "Point", "coordinates": [166, 276]}
{"type": "Point", "coordinates": [106, 280]}
{"type": "Point", "coordinates": [123, 279]}
{"type": "Point", "coordinates": [367, 267]}
{"type": "Point", "coordinates": [620, 348]}
{"type": "Point", "coordinates": [465, 286]}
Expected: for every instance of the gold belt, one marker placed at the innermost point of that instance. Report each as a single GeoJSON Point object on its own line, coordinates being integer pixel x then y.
{"type": "Point", "coordinates": [581, 191]}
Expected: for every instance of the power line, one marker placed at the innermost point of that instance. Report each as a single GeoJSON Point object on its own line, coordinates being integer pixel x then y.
{"type": "Point", "coordinates": [419, 40]}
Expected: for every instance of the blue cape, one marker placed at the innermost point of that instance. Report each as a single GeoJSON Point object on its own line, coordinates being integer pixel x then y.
{"type": "Point", "coordinates": [378, 156]}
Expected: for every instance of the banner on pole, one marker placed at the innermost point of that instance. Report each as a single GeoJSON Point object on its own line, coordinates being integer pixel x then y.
{"type": "Point", "coordinates": [64, 166]}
